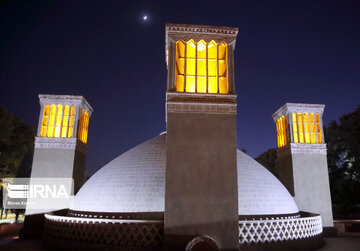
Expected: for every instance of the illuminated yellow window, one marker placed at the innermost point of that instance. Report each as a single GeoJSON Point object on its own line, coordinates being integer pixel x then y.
{"type": "Point", "coordinates": [306, 127]}
{"type": "Point", "coordinates": [286, 126]}
{"type": "Point", "coordinates": [83, 126]}
{"type": "Point", "coordinates": [223, 79]}
{"type": "Point", "coordinates": [180, 66]}
{"type": "Point", "coordinates": [278, 133]}
{"type": "Point", "coordinates": [65, 122]}
{"type": "Point", "coordinates": [190, 66]}
{"type": "Point", "coordinates": [71, 122]}
{"type": "Point", "coordinates": [301, 127]}
{"type": "Point", "coordinates": [212, 67]}
{"type": "Point", "coordinates": [59, 114]}
{"type": "Point", "coordinates": [318, 129]}
{"type": "Point", "coordinates": [312, 128]}
{"type": "Point", "coordinates": [282, 131]}
{"type": "Point", "coordinates": [51, 126]}
{"type": "Point", "coordinates": [295, 128]}
{"type": "Point", "coordinates": [201, 67]}
{"type": "Point", "coordinates": [45, 121]}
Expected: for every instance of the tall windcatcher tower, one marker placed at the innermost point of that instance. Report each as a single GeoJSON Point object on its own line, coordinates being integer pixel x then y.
{"type": "Point", "coordinates": [61, 142]}
{"type": "Point", "coordinates": [60, 149]}
{"type": "Point", "coordinates": [201, 174]}
{"type": "Point", "coordinates": [302, 157]}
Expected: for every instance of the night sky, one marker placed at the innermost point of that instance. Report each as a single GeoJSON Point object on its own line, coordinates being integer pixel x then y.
{"type": "Point", "coordinates": [306, 52]}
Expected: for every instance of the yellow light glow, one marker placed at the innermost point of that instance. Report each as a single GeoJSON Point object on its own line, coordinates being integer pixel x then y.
{"type": "Point", "coordinates": [318, 129]}
{"type": "Point", "coordinates": [190, 49]}
{"type": "Point", "coordinates": [201, 84]}
{"type": "Point", "coordinates": [180, 66]}
{"type": "Point", "coordinates": [190, 83]}
{"type": "Point", "coordinates": [295, 128]}
{"type": "Point", "coordinates": [282, 131]}
{"type": "Point", "coordinates": [306, 127]}
{"type": "Point", "coordinates": [83, 126]}
{"type": "Point", "coordinates": [71, 122]}
{"type": "Point", "coordinates": [301, 127]}
{"type": "Point", "coordinates": [201, 49]}
{"type": "Point", "coordinates": [179, 83]}
{"type": "Point", "coordinates": [45, 121]}
{"type": "Point", "coordinates": [50, 131]}
{"type": "Point", "coordinates": [59, 115]}
{"type": "Point", "coordinates": [212, 84]}
{"type": "Point", "coordinates": [278, 133]}
{"type": "Point", "coordinates": [223, 78]}
{"type": "Point", "coordinates": [312, 128]}
{"type": "Point", "coordinates": [65, 122]}
{"type": "Point", "coordinates": [167, 57]}
{"type": "Point", "coordinates": [198, 66]}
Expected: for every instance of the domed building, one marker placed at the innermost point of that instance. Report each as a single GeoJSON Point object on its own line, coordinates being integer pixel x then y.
{"type": "Point", "coordinates": [190, 188]}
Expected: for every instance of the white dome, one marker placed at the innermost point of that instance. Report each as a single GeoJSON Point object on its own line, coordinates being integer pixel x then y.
{"type": "Point", "coordinates": [135, 182]}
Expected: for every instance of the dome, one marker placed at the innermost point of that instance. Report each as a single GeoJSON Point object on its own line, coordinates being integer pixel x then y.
{"type": "Point", "coordinates": [135, 182]}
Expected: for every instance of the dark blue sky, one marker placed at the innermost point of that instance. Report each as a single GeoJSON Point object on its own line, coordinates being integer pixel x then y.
{"type": "Point", "coordinates": [308, 51]}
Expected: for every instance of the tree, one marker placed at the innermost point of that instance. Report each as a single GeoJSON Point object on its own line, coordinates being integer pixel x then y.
{"type": "Point", "coordinates": [343, 142]}
{"type": "Point", "coordinates": [269, 160]}
{"type": "Point", "coordinates": [16, 148]}
{"type": "Point", "coordinates": [16, 145]}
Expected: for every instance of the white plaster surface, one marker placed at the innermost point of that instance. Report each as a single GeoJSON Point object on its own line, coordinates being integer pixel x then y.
{"type": "Point", "coordinates": [135, 182]}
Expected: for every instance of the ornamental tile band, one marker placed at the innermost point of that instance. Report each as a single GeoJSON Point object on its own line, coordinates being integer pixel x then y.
{"type": "Point", "coordinates": [301, 148]}
{"type": "Point", "coordinates": [60, 143]}
{"type": "Point", "coordinates": [47, 99]}
{"type": "Point", "coordinates": [298, 107]}
{"type": "Point", "coordinates": [262, 231]}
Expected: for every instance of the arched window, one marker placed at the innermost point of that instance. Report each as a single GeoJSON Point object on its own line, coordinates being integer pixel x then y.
{"type": "Point", "coordinates": [180, 66]}
{"type": "Point", "coordinates": [201, 67]}
{"type": "Point", "coordinates": [212, 67]}
{"type": "Point", "coordinates": [59, 114]}
{"type": "Point", "coordinates": [223, 82]}
{"type": "Point", "coordinates": [318, 129]}
{"type": "Point", "coordinates": [278, 133]}
{"type": "Point", "coordinates": [51, 126]}
{"type": "Point", "coordinates": [312, 128]}
{"type": "Point", "coordinates": [190, 66]}
{"type": "Point", "coordinates": [65, 122]}
{"type": "Point", "coordinates": [71, 122]}
{"type": "Point", "coordinates": [282, 131]}
{"type": "Point", "coordinates": [306, 127]}
{"type": "Point", "coordinates": [301, 127]}
{"type": "Point", "coordinates": [83, 126]}
{"type": "Point", "coordinates": [45, 121]}
{"type": "Point", "coordinates": [295, 128]}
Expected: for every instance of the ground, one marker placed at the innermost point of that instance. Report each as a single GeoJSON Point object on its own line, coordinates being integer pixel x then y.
{"type": "Point", "coordinates": [340, 243]}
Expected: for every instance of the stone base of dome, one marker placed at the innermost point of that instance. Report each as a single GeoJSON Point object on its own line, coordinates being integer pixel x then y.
{"type": "Point", "coordinates": [301, 233]}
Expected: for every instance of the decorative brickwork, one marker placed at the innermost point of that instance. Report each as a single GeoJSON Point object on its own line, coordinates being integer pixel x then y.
{"type": "Point", "coordinates": [298, 107]}
{"type": "Point", "coordinates": [46, 99]}
{"type": "Point", "coordinates": [262, 231]}
{"type": "Point", "coordinates": [301, 148]}
{"type": "Point", "coordinates": [200, 103]}
{"type": "Point", "coordinates": [139, 233]}
{"type": "Point", "coordinates": [220, 34]}
{"type": "Point", "coordinates": [123, 233]}
{"type": "Point", "coordinates": [60, 143]}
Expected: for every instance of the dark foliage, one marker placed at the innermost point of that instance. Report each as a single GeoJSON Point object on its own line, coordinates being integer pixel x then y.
{"type": "Point", "coordinates": [269, 160]}
{"type": "Point", "coordinates": [16, 146]}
